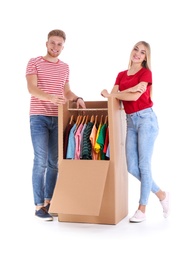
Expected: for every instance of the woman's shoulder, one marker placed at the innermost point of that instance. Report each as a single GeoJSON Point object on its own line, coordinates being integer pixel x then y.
{"type": "Point", "coordinates": [121, 73]}
{"type": "Point", "coordinates": [145, 71]}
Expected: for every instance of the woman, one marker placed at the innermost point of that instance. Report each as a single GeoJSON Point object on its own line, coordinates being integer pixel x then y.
{"type": "Point", "coordinates": [133, 87]}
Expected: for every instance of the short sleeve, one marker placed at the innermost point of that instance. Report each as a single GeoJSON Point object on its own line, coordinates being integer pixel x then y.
{"type": "Point", "coordinates": [31, 67]}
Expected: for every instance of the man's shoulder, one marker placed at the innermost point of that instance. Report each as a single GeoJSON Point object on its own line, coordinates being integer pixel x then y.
{"type": "Point", "coordinates": [35, 59]}
{"type": "Point", "coordinates": [63, 62]}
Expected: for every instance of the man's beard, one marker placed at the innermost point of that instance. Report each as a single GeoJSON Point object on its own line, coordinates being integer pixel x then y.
{"type": "Point", "coordinates": [52, 54]}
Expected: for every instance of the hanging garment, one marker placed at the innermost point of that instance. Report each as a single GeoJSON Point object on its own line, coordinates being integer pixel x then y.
{"type": "Point", "coordinates": [106, 144]}
{"type": "Point", "coordinates": [71, 144]}
{"type": "Point", "coordinates": [93, 135]}
{"type": "Point", "coordinates": [65, 139]}
{"type": "Point", "coordinates": [81, 140]}
{"type": "Point", "coordinates": [87, 147]}
{"type": "Point", "coordinates": [97, 146]}
{"type": "Point", "coordinates": [101, 140]}
{"type": "Point", "coordinates": [78, 141]}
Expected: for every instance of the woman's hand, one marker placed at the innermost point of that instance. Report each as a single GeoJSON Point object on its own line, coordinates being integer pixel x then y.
{"type": "Point", "coordinates": [139, 88]}
{"type": "Point", "coordinates": [105, 93]}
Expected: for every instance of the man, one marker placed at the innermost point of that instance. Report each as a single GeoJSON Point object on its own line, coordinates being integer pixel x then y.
{"type": "Point", "coordinates": [48, 83]}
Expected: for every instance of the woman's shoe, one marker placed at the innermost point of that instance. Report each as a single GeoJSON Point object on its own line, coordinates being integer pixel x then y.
{"type": "Point", "coordinates": [138, 217]}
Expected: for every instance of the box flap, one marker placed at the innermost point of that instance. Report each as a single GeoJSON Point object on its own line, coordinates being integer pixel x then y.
{"type": "Point", "coordinates": [80, 187]}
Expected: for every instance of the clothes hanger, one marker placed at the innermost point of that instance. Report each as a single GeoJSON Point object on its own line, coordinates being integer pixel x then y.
{"type": "Point", "coordinates": [106, 120]}
{"type": "Point", "coordinates": [79, 121]}
{"type": "Point", "coordinates": [71, 119]}
{"type": "Point", "coordinates": [86, 119]}
{"type": "Point", "coordinates": [92, 119]}
{"type": "Point", "coordinates": [101, 120]}
{"type": "Point", "coordinates": [96, 119]}
{"type": "Point", "coordinates": [83, 120]}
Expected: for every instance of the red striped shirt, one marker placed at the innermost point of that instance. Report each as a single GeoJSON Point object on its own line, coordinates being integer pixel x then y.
{"type": "Point", "coordinates": [51, 78]}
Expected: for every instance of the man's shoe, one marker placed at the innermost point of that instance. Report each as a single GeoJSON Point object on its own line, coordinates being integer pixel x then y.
{"type": "Point", "coordinates": [43, 214]}
{"type": "Point", "coordinates": [47, 209]}
{"type": "Point", "coordinates": [165, 205]}
{"type": "Point", "coordinates": [138, 217]}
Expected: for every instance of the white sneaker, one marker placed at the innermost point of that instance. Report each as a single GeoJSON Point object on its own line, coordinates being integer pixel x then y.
{"type": "Point", "coordinates": [165, 205]}
{"type": "Point", "coordinates": [138, 217]}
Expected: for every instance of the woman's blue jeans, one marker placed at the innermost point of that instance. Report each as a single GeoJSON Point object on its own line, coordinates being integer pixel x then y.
{"type": "Point", "coordinates": [142, 130]}
{"type": "Point", "coordinates": [44, 135]}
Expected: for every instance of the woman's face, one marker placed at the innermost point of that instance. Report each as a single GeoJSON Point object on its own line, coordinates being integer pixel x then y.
{"type": "Point", "coordinates": [138, 54]}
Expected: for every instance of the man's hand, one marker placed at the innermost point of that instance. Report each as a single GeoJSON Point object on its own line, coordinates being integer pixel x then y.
{"type": "Point", "coordinates": [58, 100]}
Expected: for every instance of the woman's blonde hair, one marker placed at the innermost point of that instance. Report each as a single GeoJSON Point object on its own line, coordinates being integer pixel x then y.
{"type": "Point", "coordinates": [146, 63]}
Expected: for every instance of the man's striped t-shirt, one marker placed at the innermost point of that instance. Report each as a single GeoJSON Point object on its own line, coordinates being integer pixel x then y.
{"type": "Point", "coordinates": [51, 79]}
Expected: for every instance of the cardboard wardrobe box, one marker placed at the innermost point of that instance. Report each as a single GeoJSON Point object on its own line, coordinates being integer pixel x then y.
{"type": "Point", "coordinates": [93, 191]}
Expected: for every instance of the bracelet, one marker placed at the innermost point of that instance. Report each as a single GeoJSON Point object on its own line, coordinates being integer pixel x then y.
{"type": "Point", "coordinates": [77, 99]}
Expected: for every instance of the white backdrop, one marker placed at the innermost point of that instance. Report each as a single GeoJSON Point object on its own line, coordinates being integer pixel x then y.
{"type": "Point", "coordinates": [100, 35]}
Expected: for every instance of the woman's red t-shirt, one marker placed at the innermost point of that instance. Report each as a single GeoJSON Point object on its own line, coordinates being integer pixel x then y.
{"type": "Point", "coordinates": [124, 81]}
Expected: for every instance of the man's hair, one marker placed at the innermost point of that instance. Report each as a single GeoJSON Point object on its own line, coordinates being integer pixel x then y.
{"type": "Point", "coordinates": [57, 32]}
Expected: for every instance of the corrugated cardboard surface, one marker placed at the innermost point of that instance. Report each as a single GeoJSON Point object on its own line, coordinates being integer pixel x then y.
{"type": "Point", "coordinates": [93, 191]}
{"type": "Point", "coordinates": [80, 187]}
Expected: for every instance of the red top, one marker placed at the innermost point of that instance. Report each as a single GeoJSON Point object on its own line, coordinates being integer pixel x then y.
{"type": "Point", "coordinates": [124, 81]}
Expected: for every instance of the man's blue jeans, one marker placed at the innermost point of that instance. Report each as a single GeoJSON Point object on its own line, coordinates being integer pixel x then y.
{"type": "Point", "coordinates": [44, 135]}
{"type": "Point", "coordinates": [142, 130]}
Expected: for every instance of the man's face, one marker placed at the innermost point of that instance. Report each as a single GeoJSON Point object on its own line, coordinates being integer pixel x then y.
{"type": "Point", "coordinates": [55, 45]}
